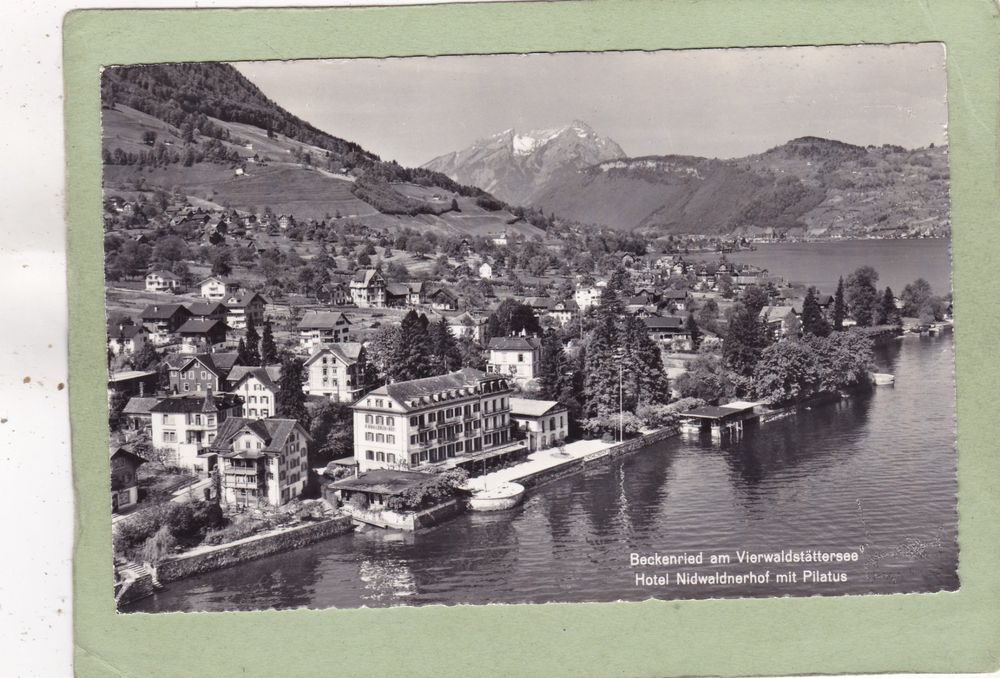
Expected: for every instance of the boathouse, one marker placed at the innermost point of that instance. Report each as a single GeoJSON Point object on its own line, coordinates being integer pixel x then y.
{"type": "Point", "coordinates": [719, 420]}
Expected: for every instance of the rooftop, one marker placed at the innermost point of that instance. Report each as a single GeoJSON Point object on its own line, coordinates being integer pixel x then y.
{"type": "Point", "coordinates": [383, 481]}
{"type": "Point", "coordinates": [513, 344]}
{"type": "Point", "coordinates": [526, 407]}
{"type": "Point", "coordinates": [322, 320]}
{"type": "Point", "coordinates": [412, 394]}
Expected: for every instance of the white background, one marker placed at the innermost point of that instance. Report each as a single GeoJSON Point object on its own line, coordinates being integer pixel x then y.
{"type": "Point", "coordinates": [36, 491]}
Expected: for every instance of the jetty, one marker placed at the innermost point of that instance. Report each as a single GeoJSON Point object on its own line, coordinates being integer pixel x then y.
{"type": "Point", "coordinates": [720, 420]}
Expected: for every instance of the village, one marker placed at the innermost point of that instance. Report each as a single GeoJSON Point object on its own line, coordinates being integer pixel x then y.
{"type": "Point", "coordinates": [264, 373]}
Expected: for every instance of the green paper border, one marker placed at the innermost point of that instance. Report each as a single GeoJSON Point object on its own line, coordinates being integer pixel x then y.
{"type": "Point", "coordinates": [946, 632]}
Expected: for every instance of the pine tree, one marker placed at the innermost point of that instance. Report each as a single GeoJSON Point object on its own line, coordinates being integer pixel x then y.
{"type": "Point", "coordinates": [862, 296]}
{"type": "Point", "coordinates": [745, 340]}
{"type": "Point", "coordinates": [552, 367]}
{"type": "Point", "coordinates": [600, 382]}
{"type": "Point", "coordinates": [839, 309]}
{"type": "Point", "coordinates": [643, 372]}
{"type": "Point", "coordinates": [412, 358]}
{"type": "Point", "coordinates": [447, 357]}
{"type": "Point", "coordinates": [888, 314]}
{"type": "Point", "coordinates": [813, 321]}
{"type": "Point", "coordinates": [268, 349]}
{"type": "Point", "coordinates": [242, 355]}
{"type": "Point", "coordinates": [252, 342]}
{"type": "Point", "coordinates": [694, 331]}
{"type": "Point", "coordinates": [291, 400]}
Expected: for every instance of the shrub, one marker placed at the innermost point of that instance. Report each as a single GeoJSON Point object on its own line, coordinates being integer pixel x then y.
{"type": "Point", "coordinates": [159, 546]}
{"type": "Point", "coordinates": [438, 489]}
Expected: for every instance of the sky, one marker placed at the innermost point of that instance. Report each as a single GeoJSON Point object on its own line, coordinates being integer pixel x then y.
{"type": "Point", "coordinates": [720, 103]}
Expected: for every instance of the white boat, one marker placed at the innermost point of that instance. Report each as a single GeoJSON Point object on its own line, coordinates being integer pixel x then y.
{"type": "Point", "coordinates": [883, 378]}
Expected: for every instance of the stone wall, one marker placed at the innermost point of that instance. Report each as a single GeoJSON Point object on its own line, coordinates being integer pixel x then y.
{"type": "Point", "coordinates": [211, 558]}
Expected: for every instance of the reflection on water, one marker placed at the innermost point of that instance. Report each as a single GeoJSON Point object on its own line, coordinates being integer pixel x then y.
{"type": "Point", "coordinates": [875, 474]}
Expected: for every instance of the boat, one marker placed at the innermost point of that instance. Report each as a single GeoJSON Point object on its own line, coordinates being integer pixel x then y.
{"type": "Point", "coordinates": [883, 378]}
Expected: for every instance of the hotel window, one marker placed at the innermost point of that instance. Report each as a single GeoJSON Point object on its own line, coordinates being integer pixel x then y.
{"type": "Point", "coordinates": [391, 458]}
{"type": "Point", "coordinates": [390, 439]}
{"type": "Point", "coordinates": [369, 418]}
{"type": "Point", "coordinates": [369, 455]}
{"type": "Point", "coordinates": [380, 438]}
{"type": "Point", "coordinates": [197, 420]}
{"type": "Point", "coordinates": [413, 421]}
{"type": "Point", "coordinates": [380, 456]}
{"type": "Point", "coordinates": [379, 420]}
{"type": "Point", "coordinates": [413, 440]}
{"type": "Point", "coordinates": [370, 437]}
{"type": "Point", "coordinates": [389, 421]}
{"type": "Point", "coordinates": [379, 403]}
{"type": "Point", "coordinates": [414, 459]}
{"type": "Point", "coordinates": [264, 412]}
{"type": "Point", "coordinates": [520, 357]}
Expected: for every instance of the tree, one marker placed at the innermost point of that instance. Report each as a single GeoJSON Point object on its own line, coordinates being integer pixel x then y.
{"type": "Point", "coordinates": [708, 379]}
{"type": "Point", "coordinates": [332, 432]}
{"type": "Point", "coordinates": [222, 262]}
{"type": "Point", "coordinates": [454, 205]}
{"type": "Point", "coordinates": [745, 339]}
{"type": "Point", "coordinates": [839, 307]}
{"type": "Point", "coordinates": [412, 358]}
{"type": "Point", "coordinates": [512, 317]}
{"type": "Point", "coordinates": [813, 321]}
{"type": "Point", "coordinates": [242, 355]}
{"type": "Point", "coordinates": [159, 546]}
{"type": "Point", "coordinates": [915, 296]}
{"type": "Point", "coordinates": [755, 299]}
{"type": "Point", "coordinates": [643, 365]}
{"type": "Point", "coordinates": [252, 341]}
{"type": "Point", "coordinates": [694, 331]}
{"type": "Point", "coordinates": [146, 357]}
{"type": "Point", "coordinates": [787, 370]}
{"type": "Point", "coordinates": [600, 385]}
{"type": "Point", "coordinates": [268, 349]}
{"type": "Point", "coordinates": [862, 296]}
{"type": "Point", "coordinates": [887, 313]}
{"type": "Point", "coordinates": [382, 347]}
{"type": "Point", "coordinates": [552, 367]}
{"type": "Point", "coordinates": [170, 250]}
{"type": "Point", "coordinates": [471, 353]}
{"type": "Point", "coordinates": [446, 355]}
{"type": "Point", "coordinates": [291, 400]}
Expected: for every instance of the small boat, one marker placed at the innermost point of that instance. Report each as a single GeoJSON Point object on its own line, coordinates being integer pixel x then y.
{"type": "Point", "coordinates": [883, 378]}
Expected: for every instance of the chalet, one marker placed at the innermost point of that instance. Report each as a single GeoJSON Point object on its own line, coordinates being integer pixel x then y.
{"type": "Point", "coordinates": [207, 310]}
{"type": "Point", "coordinates": [261, 461]}
{"type": "Point", "coordinates": [163, 281]}
{"type": "Point", "coordinates": [467, 325]}
{"type": "Point", "coordinates": [402, 294]}
{"type": "Point", "coordinates": [675, 300]}
{"type": "Point", "coordinates": [670, 331]}
{"type": "Point", "coordinates": [124, 479]}
{"type": "Point", "coordinates": [336, 371]}
{"type": "Point", "coordinates": [200, 372]}
{"type": "Point", "coordinates": [125, 337]}
{"type": "Point", "coordinates": [368, 289]}
{"type": "Point", "coordinates": [319, 328]}
{"type": "Point", "coordinates": [563, 311]}
{"type": "Point", "coordinates": [217, 288]}
{"type": "Point", "coordinates": [162, 320]}
{"type": "Point", "coordinates": [485, 270]}
{"type": "Point", "coordinates": [184, 427]}
{"type": "Point", "coordinates": [338, 294]}
{"type": "Point", "coordinates": [544, 422]}
{"type": "Point", "coordinates": [442, 299]}
{"type": "Point", "coordinates": [243, 305]}
{"type": "Point", "coordinates": [516, 357]}
{"type": "Point", "coordinates": [201, 335]}
{"type": "Point", "coordinates": [257, 387]}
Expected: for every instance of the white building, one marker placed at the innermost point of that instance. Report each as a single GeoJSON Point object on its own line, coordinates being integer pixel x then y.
{"type": "Point", "coordinates": [545, 422]}
{"type": "Point", "coordinates": [586, 297]}
{"type": "Point", "coordinates": [184, 427]}
{"type": "Point", "coordinates": [323, 328]}
{"type": "Point", "coordinates": [163, 281]}
{"type": "Point", "coordinates": [336, 371]}
{"type": "Point", "coordinates": [515, 357]}
{"type": "Point", "coordinates": [455, 419]}
{"type": "Point", "coordinates": [368, 289]}
{"type": "Point", "coordinates": [217, 288]}
{"type": "Point", "coordinates": [258, 387]}
{"type": "Point", "coordinates": [262, 461]}
{"type": "Point", "coordinates": [467, 325]}
{"type": "Point", "coordinates": [485, 271]}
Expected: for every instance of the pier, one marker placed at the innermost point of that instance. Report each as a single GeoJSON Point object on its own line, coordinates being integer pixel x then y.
{"type": "Point", "coordinates": [728, 419]}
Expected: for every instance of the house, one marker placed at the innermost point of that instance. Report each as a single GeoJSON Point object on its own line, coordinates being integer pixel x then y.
{"type": "Point", "coordinates": [132, 383]}
{"type": "Point", "coordinates": [163, 281]}
{"type": "Point", "coordinates": [442, 299]}
{"type": "Point", "coordinates": [515, 357]}
{"type": "Point", "coordinates": [402, 294]}
{"type": "Point", "coordinates": [457, 419]}
{"type": "Point", "coordinates": [588, 296]}
{"type": "Point", "coordinates": [564, 311]}
{"type": "Point", "coordinates": [544, 422]}
{"type": "Point", "coordinates": [467, 325]}
{"type": "Point", "coordinates": [162, 321]}
{"type": "Point", "coordinates": [337, 371]}
{"type": "Point", "coordinates": [368, 289]}
{"type": "Point", "coordinates": [372, 490]}
{"type": "Point", "coordinates": [125, 337]}
{"type": "Point", "coordinates": [217, 288]}
{"type": "Point", "coordinates": [201, 335]}
{"type": "Point", "coordinates": [671, 331]}
{"type": "Point", "coordinates": [208, 310]}
{"type": "Point", "coordinates": [499, 239]}
{"type": "Point", "coordinates": [124, 479]}
{"type": "Point", "coordinates": [257, 387]}
{"type": "Point", "coordinates": [486, 270]}
{"type": "Point", "coordinates": [243, 305]}
{"type": "Point", "coordinates": [675, 300]}
{"type": "Point", "coordinates": [261, 461]}
{"type": "Point", "coordinates": [338, 294]}
{"type": "Point", "coordinates": [319, 328]}
{"type": "Point", "coordinates": [199, 372]}
{"type": "Point", "coordinates": [136, 413]}
{"type": "Point", "coordinates": [777, 318]}
{"type": "Point", "coordinates": [184, 427]}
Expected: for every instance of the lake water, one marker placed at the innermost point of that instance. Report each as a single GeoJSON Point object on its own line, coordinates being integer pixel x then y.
{"type": "Point", "coordinates": [874, 474]}
{"type": "Point", "coordinates": [898, 262]}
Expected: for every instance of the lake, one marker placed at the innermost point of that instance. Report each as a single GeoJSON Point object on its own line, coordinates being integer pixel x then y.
{"type": "Point", "coordinates": [874, 474]}
{"type": "Point", "coordinates": [898, 262]}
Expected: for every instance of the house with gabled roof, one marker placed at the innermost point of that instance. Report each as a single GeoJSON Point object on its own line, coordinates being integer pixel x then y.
{"type": "Point", "coordinates": [257, 387]}
{"type": "Point", "coordinates": [201, 334]}
{"type": "Point", "coordinates": [368, 289]}
{"type": "Point", "coordinates": [442, 299]}
{"type": "Point", "coordinates": [262, 462]}
{"type": "Point", "coordinates": [125, 337]}
{"type": "Point", "coordinates": [163, 320]}
{"type": "Point", "coordinates": [670, 330]}
{"type": "Point", "coordinates": [563, 311]}
{"type": "Point", "coordinates": [184, 427]}
{"type": "Point", "coordinates": [124, 479]}
{"type": "Point", "coordinates": [467, 325]}
{"type": "Point", "coordinates": [545, 423]}
{"type": "Point", "coordinates": [321, 328]}
{"type": "Point", "coordinates": [163, 281]}
{"type": "Point", "coordinates": [195, 373]}
{"type": "Point", "coordinates": [337, 371]}
{"type": "Point", "coordinates": [217, 287]}
{"type": "Point", "coordinates": [242, 305]}
{"type": "Point", "coordinates": [207, 310]}
{"type": "Point", "coordinates": [402, 294]}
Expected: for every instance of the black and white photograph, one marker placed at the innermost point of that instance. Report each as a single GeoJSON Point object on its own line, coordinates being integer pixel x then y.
{"type": "Point", "coordinates": [529, 328]}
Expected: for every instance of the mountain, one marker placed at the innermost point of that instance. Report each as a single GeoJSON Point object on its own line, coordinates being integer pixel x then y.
{"type": "Point", "coordinates": [819, 185]}
{"type": "Point", "coordinates": [204, 131]}
{"type": "Point", "coordinates": [514, 165]}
